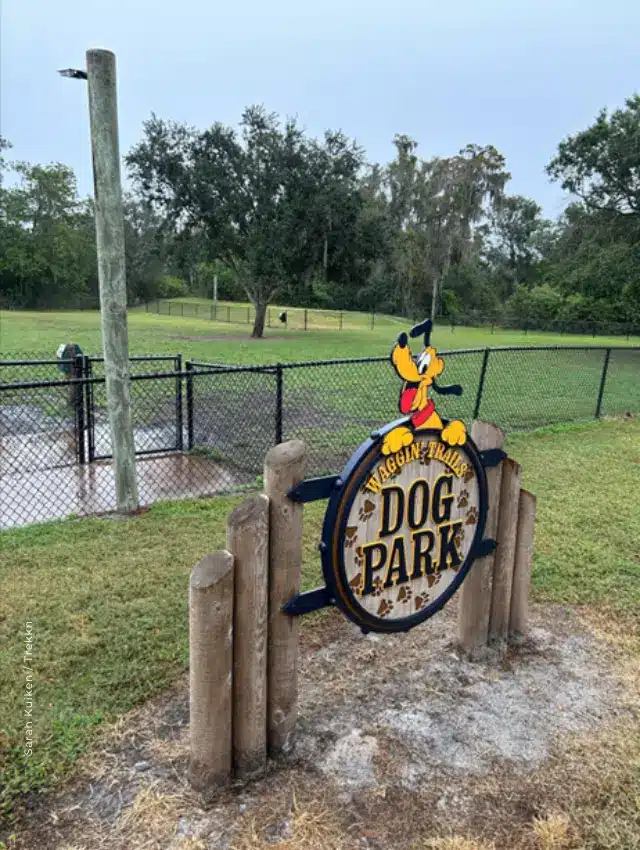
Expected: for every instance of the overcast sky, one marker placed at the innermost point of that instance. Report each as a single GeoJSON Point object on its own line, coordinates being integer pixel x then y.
{"type": "Point", "coordinates": [518, 74]}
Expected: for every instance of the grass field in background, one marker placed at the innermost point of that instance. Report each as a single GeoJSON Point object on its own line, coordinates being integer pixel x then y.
{"type": "Point", "coordinates": [108, 600]}
{"type": "Point", "coordinates": [202, 339]}
{"type": "Point", "coordinates": [333, 408]}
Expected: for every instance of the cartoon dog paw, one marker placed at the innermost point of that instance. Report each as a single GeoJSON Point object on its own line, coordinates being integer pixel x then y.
{"type": "Point", "coordinates": [404, 595]}
{"type": "Point", "coordinates": [396, 440]}
{"type": "Point", "coordinates": [386, 606]}
{"type": "Point", "coordinates": [377, 586]}
{"type": "Point", "coordinates": [351, 535]}
{"type": "Point", "coordinates": [455, 433]}
{"type": "Point", "coordinates": [434, 578]}
{"type": "Point", "coordinates": [359, 556]}
{"type": "Point", "coordinates": [472, 516]}
{"type": "Point", "coordinates": [459, 538]}
{"type": "Point", "coordinates": [367, 509]}
{"type": "Point", "coordinates": [468, 475]}
{"type": "Point", "coordinates": [463, 499]}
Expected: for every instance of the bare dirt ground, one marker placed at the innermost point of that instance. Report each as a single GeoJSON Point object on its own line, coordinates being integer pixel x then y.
{"type": "Point", "coordinates": [402, 743]}
{"type": "Point", "coordinates": [245, 337]}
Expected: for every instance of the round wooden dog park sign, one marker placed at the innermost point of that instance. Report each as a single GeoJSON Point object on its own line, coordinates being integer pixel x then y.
{"type": "Point", "coordinates": [400, 532]}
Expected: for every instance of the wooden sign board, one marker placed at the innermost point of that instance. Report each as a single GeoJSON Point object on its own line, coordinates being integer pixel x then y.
{"type": "Point", "coordinates": [401, 533]}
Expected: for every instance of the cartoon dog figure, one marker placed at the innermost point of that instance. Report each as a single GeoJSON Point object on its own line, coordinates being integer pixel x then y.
{"type": "Point", "coordinates": [418, 375]}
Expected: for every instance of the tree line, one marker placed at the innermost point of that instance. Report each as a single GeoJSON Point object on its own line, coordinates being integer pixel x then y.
{"type": "Point", "coordinates": [273, 213]}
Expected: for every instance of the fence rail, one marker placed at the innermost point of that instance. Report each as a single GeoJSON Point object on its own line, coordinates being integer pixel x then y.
{"type": "Point", "coordinates": [204, 428]}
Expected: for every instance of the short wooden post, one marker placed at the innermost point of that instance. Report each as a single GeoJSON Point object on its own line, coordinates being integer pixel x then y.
{"type": "Point", "coordinates": [210, 670]}
{"type": "Point", "coordinates": [504, 557]}
{"type": "Point", "coordinates": [519, 616]}
{"type": "Point", "coordinates": [475, 594]}
{"type": "Point", "coordinates": [248, 541]}
{"type": "Point", "coordinates": [284, 467]}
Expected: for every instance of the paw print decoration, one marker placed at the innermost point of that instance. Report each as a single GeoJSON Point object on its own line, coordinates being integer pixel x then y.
{"type": "Point", "coordinates": [351, 536]}
{"type": "Point", "coordinates": [366, 510]}
{"type": "Point", "coordinates": [386, 607]}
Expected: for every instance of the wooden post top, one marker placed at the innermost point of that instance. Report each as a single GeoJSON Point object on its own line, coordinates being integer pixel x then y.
{"type": "Point", "coordinates": [211, 569]}
{"type": "Point", "coordinates": [252, 507]}
{"type": "Point", "coordinates": [285, 454]}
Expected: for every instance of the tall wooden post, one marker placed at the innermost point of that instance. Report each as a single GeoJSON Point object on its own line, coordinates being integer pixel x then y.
{"type": "Point", "coordinates": [284, 467]}
{"type": "Point", "coordinates": [103, 113]}
{"type": "Point", "coordinates": [248, 541]}
{"type": "Point", "coordinates": [505, 553]}
{"type": "Point", "coordinates": [519, 616]}
{"type": "Point", "coordinates": [475, 594]}
{"type": "Point", "coordinates": [210, 670]}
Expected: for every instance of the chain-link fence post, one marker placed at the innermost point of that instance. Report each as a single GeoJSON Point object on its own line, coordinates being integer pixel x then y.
{"type": "Point", "coordinates": [279, 393]}
{"type": "Point", "coordinates": [179, 437]}
{"type": "Point", "coordinates": [603, 379]}
{"type": "Point", "coordinates": [483, 372]}
{"type": "Point", "coordinates": [189, 369]}
{"type": "Point", "coordinates": [88, 372]}
{"type": "Point", "coordinates": [78, 402]}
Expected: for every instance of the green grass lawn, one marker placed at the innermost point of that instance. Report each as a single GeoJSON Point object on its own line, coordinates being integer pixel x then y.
{"type": "Point", "coordinates": [108, 600]}
{"type": "Point", "coordinates": [202, 339]}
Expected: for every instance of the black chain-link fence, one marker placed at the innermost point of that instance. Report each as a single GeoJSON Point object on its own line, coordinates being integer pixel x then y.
{"type": "Point", "coordinates": [202, 429]}
{"type": "Point", "coordinates": [302, 318]}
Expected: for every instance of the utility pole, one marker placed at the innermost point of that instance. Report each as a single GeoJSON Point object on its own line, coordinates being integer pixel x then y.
{"type": "Point", "coordinates": [103, 115]}
{"type": "Point", "coordinates": [215, 290]}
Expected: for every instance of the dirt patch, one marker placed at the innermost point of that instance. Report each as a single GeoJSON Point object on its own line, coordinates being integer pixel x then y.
{"type": "Point", "coordinates": [246, 337]}
{"type": "Point", "coordinates": [401, 742]}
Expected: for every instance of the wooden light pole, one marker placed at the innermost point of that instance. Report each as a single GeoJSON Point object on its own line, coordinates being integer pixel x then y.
{"type": "Point", "coordinates": [103, 117]}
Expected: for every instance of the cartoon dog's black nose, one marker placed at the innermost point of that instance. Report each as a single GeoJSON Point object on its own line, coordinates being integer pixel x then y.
{"type": "Point", "coordinates": [402, 339]}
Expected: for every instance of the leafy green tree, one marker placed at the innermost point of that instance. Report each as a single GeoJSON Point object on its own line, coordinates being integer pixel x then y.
{"type": "Point", "coordinates": [514, 245]}
{"type": "Point", "coordinates": [601, 165]}
{"type": "Point", "coordinates": [268, 199]}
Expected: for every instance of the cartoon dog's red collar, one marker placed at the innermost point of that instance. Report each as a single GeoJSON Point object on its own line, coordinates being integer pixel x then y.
{"type": "Point", "coordinates": [421, 416]}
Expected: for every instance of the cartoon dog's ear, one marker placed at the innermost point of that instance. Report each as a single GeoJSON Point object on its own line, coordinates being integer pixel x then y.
{"type": "Point", "coordinates": [423, 327]}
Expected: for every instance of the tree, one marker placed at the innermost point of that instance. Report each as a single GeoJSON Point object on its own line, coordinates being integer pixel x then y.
{"type": "Point", "coordinates": [515, 242]}
{"type": "Point", "coordinates": [601, 165]}
{"type": "Point", "coordinates": [437, 206]}
{"type": "Point", "coordinates": [48, 245]}
{"type": "Point", "coordinates": [267, 199]}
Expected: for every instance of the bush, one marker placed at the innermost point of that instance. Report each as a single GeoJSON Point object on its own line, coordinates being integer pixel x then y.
{"type": "Point", "coordinates": [171, 287]}
{"type": "Point", "coordinates": [537, 307]}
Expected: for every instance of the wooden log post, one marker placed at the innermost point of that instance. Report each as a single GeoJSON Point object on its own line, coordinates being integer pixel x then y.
{"type": "Point", "coordinates": [248, 541]}
{"type": "Point", "coordinates": [475, 594]}
{"type": "Point", "coordinates": [505, 554]}
{"type": "Point", "coordinates": [112, 278]}
{"type": "Point", "coordinates": [210, 670]}
{"type": "Point", "coordinates": [284, 467]}
{"type": "Point", "coordinates": [519, 615]}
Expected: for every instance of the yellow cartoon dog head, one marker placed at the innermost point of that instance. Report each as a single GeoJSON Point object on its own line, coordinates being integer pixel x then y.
{"type": "Point", "coordinates": [421, 371]}
{"type": "Point", "coordinates": [424, 368]}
